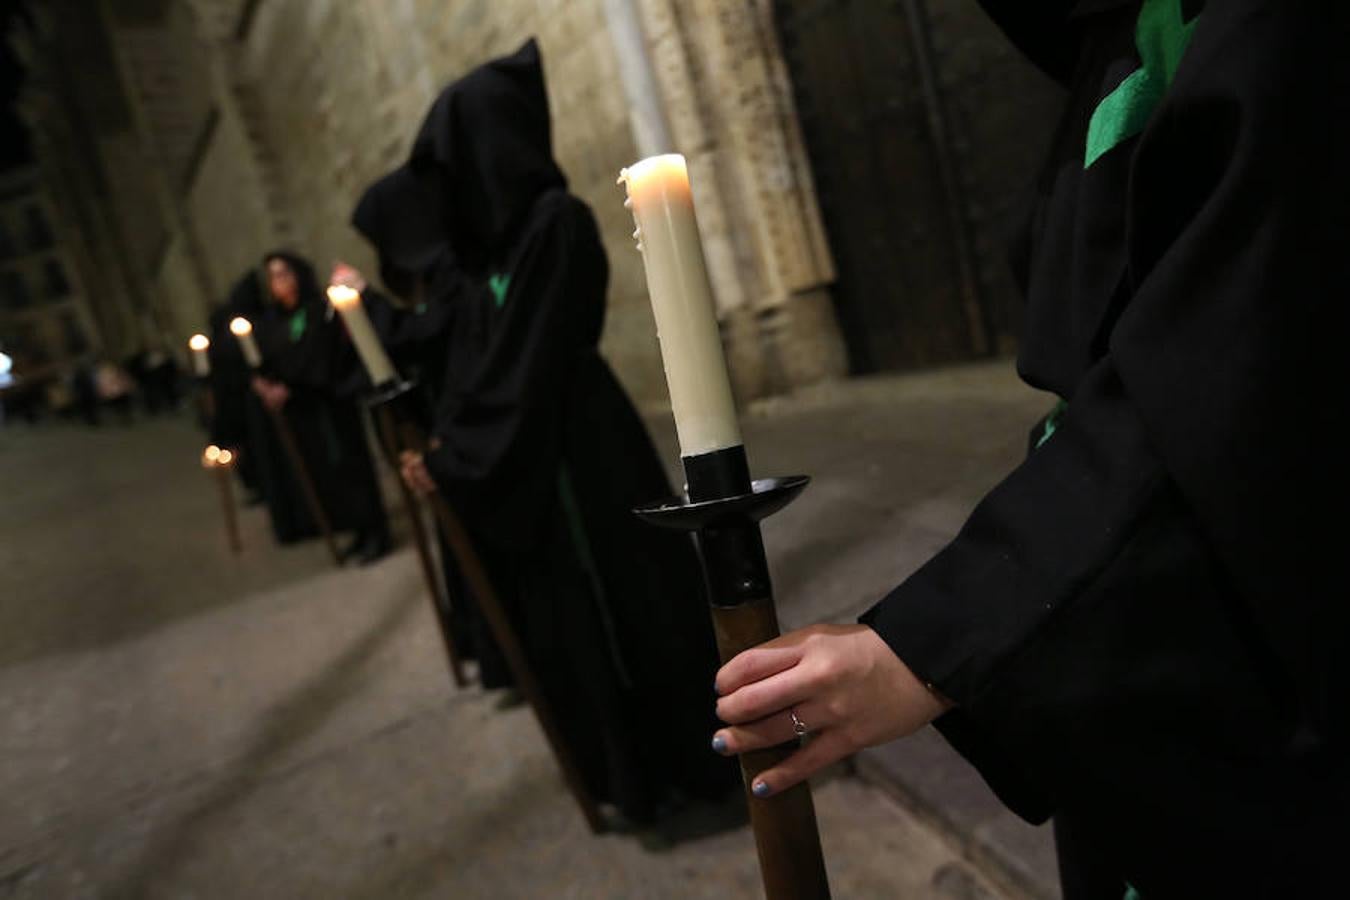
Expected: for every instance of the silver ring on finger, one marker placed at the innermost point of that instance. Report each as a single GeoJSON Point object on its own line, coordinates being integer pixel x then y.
{"type": "Point", "coordinates": [799, 727]}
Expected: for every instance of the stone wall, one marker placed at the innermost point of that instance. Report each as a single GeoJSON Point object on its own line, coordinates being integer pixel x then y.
{"type": "Point", "coordinates": [341, 89]}
{"type": "Point", "coordinates": [176, 284]}
{"type": "Point", "coordinates": [290, 108]}
{"type": "Point", "coordinates": [227, 203]}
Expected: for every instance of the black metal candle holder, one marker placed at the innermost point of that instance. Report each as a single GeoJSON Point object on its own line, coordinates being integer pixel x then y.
{"type": "Point", "coordinates": [722, 509]}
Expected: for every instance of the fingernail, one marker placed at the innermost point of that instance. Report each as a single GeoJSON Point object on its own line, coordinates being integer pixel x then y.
{"type": "Point", "coordinates": [761, 789]}
{"type": "Point", "coordinates": [715, 689]}
{"type": "Point", "coordinates": [719, 743]}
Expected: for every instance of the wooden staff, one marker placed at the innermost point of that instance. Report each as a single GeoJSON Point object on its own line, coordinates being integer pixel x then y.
{"type": "Point", "coordinates": [302, 475]}
{"type": "Point", "coordinates": [786, 838]}
{"type": "Point", "coordinates": [723, 510]}
{"type": "Point", "coordinates": [242, 329]}
{"type": "Point", "coordinates": [217, 464]}
{"type": "Point", "coordinates": [440, 600]}
{"type": "Point", "coordinates": [411, 437]}
{"type": "Point", "coordinates": [227, 501]}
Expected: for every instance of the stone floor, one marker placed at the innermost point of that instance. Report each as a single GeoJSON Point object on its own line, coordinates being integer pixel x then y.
{"type": "Point", "coordinates": [179, 722]}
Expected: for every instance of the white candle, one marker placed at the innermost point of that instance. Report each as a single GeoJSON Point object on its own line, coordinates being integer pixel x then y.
{"type": "Point", "coordinates": [243, 329]}
{"type": "Point", "coordinates": [201, 363]}
{"type": "Point", "coordinates": [347, 301]}
{"type": "Point", "coordinates": [686, 322]}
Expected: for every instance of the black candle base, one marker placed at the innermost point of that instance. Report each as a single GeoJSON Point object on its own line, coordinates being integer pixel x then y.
{"type": "Point", "coordinates": [765, 497]}
{"type": "Point", "coordinates": [398, 404]}
{"type": "Point", "coordinates": [723, 508]}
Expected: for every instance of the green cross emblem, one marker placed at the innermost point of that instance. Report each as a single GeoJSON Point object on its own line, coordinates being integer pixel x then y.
{"type": "Point", "coordinates": [498, 284]}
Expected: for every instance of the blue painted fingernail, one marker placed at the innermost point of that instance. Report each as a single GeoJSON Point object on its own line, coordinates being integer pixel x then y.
{"type": "Point", "coordinates": [719, 743]}
{"type": "Point", "coordinates": [761, 789]}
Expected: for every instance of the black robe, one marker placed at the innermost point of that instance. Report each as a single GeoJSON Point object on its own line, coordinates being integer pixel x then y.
{"type": "Point", "coordinates": [307, 349]}
{"type": "Point", "coordinates": [1142, 626]}
{"type": "Point", "coordinates": [417, 265]}
{"type": "Point", "coordinates": [544, 455]}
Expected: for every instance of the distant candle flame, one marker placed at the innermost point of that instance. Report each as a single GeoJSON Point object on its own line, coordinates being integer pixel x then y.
{"type": "Point", "coordinates": [240, 326]}
{"type": "Point", "coordinates": [211, 455]}
{"type": "Point", "coordinates": [342, 295]}
{"type": "Point", "coordinates": [199, 342]}
{"type": "Point", "coordinates": [226, 457]}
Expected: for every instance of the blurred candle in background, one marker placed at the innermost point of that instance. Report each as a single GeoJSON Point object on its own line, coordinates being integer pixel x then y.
{"type": "Point", "coordinates": [201, 363]}
{"type": "Point", "coordinates": [243, 329]}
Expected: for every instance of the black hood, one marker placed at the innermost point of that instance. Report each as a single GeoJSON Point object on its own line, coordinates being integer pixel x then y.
{"type": "Point", "coordinates": [246, 299]}
{"type": "Point", "coordinates": [485, 146]}
{"type": "Point", "coordinates": [400, 215]}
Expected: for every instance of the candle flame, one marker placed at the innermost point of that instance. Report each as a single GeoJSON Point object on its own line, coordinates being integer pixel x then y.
{"type": "Point", "coordinates": [664, 175]}
{"type": "Point", "coordinates": [199, 342]}
{"type": "Point", "coordinates": [211, 455]}
{"type": "Point", "coordinates": [240, 326]}
{"type": "Point", "coordinates": [226, 457]}
{"type": "Point", "coordinates": [668, 168]}
{"type": "Point", "coordinates": [342, 295]}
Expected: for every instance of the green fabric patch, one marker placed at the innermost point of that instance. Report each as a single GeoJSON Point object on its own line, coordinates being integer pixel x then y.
{"type": "Point", "coordinates": [498, 284]}
{"type": "Point", "coordinates": [1161, 37]}
{"type": "Point", "coordinates": [299, 322]}
{"type": "Point", "coordinates": [1052, 422]}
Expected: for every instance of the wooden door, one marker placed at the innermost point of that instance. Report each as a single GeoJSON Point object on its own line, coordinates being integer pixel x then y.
{"type": "Point", "coordinates": [923, 127]}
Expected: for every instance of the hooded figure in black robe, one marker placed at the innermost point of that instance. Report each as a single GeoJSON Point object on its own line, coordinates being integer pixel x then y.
{"type": "Point", "coordinates": [395, 215]}
{"type": "Point", "coordinates": [541, 451]}
{"type": "Point", "coordinates": [1144, 626]}
{"type": "Point", "coordinates": [305, 348]}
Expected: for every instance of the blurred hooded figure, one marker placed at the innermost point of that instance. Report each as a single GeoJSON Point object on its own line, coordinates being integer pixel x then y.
{"type": "Point", "coordinates": [539, 448]}
{"type": "Point", "coordinates": [310, 373]}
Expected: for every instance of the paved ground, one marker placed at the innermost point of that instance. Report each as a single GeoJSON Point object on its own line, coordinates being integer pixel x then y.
{"type": "Point", "coordinates": [177, 722]}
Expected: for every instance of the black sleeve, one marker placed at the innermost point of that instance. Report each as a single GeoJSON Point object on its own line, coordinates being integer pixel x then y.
{"type": "Point", "coordinates": [1029, 547]}
{"type": "Point", "coordinates": [1217, 399]}
{"type": "Point", "coordinates": [499, 439]}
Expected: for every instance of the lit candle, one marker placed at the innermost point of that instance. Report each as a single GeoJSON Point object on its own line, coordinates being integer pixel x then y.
{"type": "Point", "coordinates": [225, 458]}
{"type": "Point", "coordinates": [686, 323]}
{"type": "Point", "coordinates": [201, 364]}
{"type": "Point", "coordinates": [211, 456]}
{"type": "Point", "coordinates": [347, 301]}
{"type": "Point", "coordinates": [243, 329]}
{"type": "Point", "coordinates": [721, 506]}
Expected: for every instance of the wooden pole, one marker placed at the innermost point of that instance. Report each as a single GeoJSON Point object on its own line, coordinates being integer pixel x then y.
{"type": "Point", "coordinates": [723, 508]}
{"type": "Point", "coordinates": [287, 437]}
{"type": "Point", "coordinates": [440, 600]}
{"type": "Point", "coordinates": [222, 474]}
{"type": "Point", "coordinates": [787, 841]}
{"type": "Point", "coordinates": [410, 437]}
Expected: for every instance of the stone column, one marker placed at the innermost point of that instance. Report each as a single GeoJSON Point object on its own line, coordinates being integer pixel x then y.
{"type": "Point", "coordinates": [729, 103]}
{"type": "Point", "coordinates": [646, 116]}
